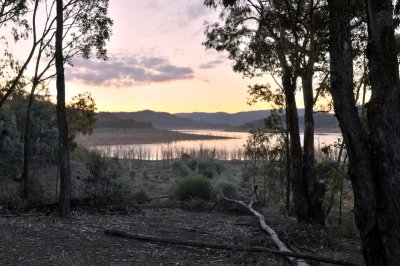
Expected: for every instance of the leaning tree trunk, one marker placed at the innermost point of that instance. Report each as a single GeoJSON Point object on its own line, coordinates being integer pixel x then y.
{"type": "Point", "coordinates": [64, 163]}
{"type": "Point", "coordinates": [300, 201]}
{"type": "Point", "coordinates": [384, 136]}
{"type": "Point", "coordinates": [360, 160]}
{"type": "Point", "coordinates": [315, 191]}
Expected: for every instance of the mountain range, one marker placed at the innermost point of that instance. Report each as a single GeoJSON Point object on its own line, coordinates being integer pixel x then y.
{"type": "Point", "coordinates": [199, 120]}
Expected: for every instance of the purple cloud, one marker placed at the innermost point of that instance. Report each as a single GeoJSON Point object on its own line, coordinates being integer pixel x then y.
{"type": "Point", "coordinates": [123, 71]}
{"type": "Point", "coordinates": [211, 64]}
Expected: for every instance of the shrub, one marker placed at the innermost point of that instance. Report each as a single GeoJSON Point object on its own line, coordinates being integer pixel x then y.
{"type": "Point", "coordinates": [228, 188]}
{"type": "Point", "coordinates": [181, 169]}
{"type": "Point", "coordinates": [141, 196]}
{"type": "Point", "coordinates": [207, 168]}
{"type": "Point", "coordinates": [193, 186]}
{"type": "Point", "coordinates": [11, 149]}
{"type": "Point", "coordinates": [102, 190]}
{"type": "Point", "coordinates": [132, 174]}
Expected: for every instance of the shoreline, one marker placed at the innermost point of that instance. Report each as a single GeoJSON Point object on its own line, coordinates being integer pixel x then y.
{"type": "Point", "coordinates": [111, 136]}
{"type": "Point", "coordinates": [316, 130]}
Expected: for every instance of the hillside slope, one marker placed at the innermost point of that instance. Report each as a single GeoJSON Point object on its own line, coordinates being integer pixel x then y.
{"type": "Point", "coordinates": [161, 120]}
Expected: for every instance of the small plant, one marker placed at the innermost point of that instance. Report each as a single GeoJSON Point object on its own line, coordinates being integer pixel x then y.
{"type": "Point", "coordinates": [181, 169]}
{"type": "Point", "coordinates": [146, 175]}
{"type": "Point", "coordinates": [132, 174]}
{"type": "Point", "coordinates": [227, 188]}
{"type": "Point", "coordinates": [193, 186]}
{"type": "Point", "coordinates": [207, 168]}
{"type": "Point", "coordinates": [141, 196]}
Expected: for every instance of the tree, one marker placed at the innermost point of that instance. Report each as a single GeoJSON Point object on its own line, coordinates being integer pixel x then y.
{"type": "Point", "coordinates": [81, 116]}
{"type": "Point", "coordinates": [88, 17]}
{"type": "Point", "coordinates": [374, 158]}
{"type": "Point", "coordinates": [91, 18]}
{"type": "Point", "coordinates": [63, 143]}
{"type": "Point", "coordinates": [284, 38]}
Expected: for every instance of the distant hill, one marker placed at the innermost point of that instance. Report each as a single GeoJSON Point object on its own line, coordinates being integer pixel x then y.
{"type": "Point", "coordinates": [161, 120]}
{"type": "Point", "coordinates": [321, 120]}
{"type": "Point", "coordinates": [235, 119]}
{"type": "Point", "coordinates": [111, 120]}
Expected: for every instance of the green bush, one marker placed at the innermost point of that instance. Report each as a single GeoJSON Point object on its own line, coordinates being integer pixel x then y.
{"type": "Point", "coordinates": [181, 169]}
{"type": "Point", "coordinates": [101, 168]}
{"type": "Point", "coordinates": [141, 196]}
{"type": "Point", "coordinates": [228, 188]}
{"type": "Point", "coordinates": [193, 186]}
{"type": "Point", "coordinates": [207, 168]}
{"type": "Point", "coordinates": [11, 149]}
{"type": "Point", "coordinates": [102, 190]}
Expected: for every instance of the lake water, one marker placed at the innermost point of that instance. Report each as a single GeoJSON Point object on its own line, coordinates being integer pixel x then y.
{"type": "Point", "coordinates": [224, 149]}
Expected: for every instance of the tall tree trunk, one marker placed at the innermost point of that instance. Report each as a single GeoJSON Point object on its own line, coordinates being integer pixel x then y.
{"type": "Point", "coordinates": [315, 191]}
{"type": "Point", "coordinates": [64, 163]}
{"type": "Point", "coordinates": [288, 170]}
{"type": "Point", "coordinates": [27, 143]}
{"type": "Point", "coordinates": [383, 113]}
{"type": "Point", "coordinates": [360, 161]}
{"type": "Point", "coordinates": [301, 203]}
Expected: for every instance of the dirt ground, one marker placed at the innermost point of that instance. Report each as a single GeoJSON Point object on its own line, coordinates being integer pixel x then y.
{"type": "Point", "coordinates": [39, 239]}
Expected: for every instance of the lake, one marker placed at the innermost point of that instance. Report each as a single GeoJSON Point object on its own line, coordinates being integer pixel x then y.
{"type": "Point", "coordinates": [224, 149]}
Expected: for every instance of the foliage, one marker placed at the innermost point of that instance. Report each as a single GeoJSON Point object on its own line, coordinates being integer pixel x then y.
{"type": "Point", "coordinates": [228, 188]}
{"type": "Point", "coordinates": [181, 169]}
{"type": "Point", "coordinates": [192, 165]}
{"type": "Point", "coordinates": [193, 187]}
{"type": "Point", "coordinates": [44, 132]}
{"type": "Point", "coordinates": [81, 115]}
{"type": "Point", "coordinates": [103, 168]}
{"type": "Point", "coordinates": [141, 196]}
{"type": "Point", "coordinates": [102, 189]}
{"type": "Point", "coordinates": [11, 151]}
{"type": "Point", "coordinates": [329, 174]}
{"type": "Point", "coordinates": [208, 168]}
{"type": "Point", "coordinates": [266, 151]}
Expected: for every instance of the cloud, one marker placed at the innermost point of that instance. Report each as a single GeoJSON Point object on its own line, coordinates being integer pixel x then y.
{"type": "Point", "coordinates": [123, 71]}
{"type": "Point", "coordinates": [211, 64]}
{"type": "Point", "coordinates": [190, 12]}
{"type": "Point", "coordinates": [196, 9]}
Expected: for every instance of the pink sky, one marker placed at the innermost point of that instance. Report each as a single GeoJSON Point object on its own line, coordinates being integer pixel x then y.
{"type": "Point", "coordinates": [156, 61]}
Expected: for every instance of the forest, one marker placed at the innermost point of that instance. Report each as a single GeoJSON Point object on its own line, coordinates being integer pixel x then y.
{"type": "Point", "coordinates": [281, 200]}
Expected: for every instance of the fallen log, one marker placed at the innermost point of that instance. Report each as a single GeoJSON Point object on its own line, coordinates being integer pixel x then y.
{"type": "Point", "coordinates": [281, 246]}
{"type": "Point", "coordinates": [198, 244]}
{"type": "Point", "coordinates": [162, 197]}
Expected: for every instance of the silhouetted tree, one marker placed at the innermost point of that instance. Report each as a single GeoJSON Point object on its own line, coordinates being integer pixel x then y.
{"type": "Point", "coordinates": [91, 19]}
{"type": "Point", "coordinates": [373, 155]}
{"type": "Point", "coordinates": [285, 38]}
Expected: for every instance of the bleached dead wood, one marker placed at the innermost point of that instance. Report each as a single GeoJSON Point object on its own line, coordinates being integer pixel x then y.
{"type": "Point", "coordinates": [198, 244]}
{"type": "Point", "coordinates": [274, 236]}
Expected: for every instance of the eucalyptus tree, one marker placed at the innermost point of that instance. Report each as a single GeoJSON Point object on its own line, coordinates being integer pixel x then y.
{"type": "Point", "coordinates": [12, 12]}
{"type": "Point", "coordinates": [93, 24]}
{"type": "Point", "coordinates": [374, 157]}
{"type": "Point", "coordinates": [287, 38]}
{"type": "Point", "coordinates": [85, 27]}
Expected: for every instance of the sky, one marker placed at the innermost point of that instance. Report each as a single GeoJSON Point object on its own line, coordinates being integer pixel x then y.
{"type": "Point", "coordinates": [157, 62]}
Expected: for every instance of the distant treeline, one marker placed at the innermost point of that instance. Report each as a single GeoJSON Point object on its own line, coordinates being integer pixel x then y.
{"type": "Point", "coordinates": [321, 120]}
{"type": "Point", "coordinates": [122, 123]}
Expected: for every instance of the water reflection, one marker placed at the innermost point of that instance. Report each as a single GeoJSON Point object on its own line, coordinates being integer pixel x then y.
{"type": "Point", "coordinates": [223, 149]}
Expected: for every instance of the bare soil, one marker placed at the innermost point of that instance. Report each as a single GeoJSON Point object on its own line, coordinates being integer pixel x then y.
{"type": "Point", "coordinates": [38, 239]}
